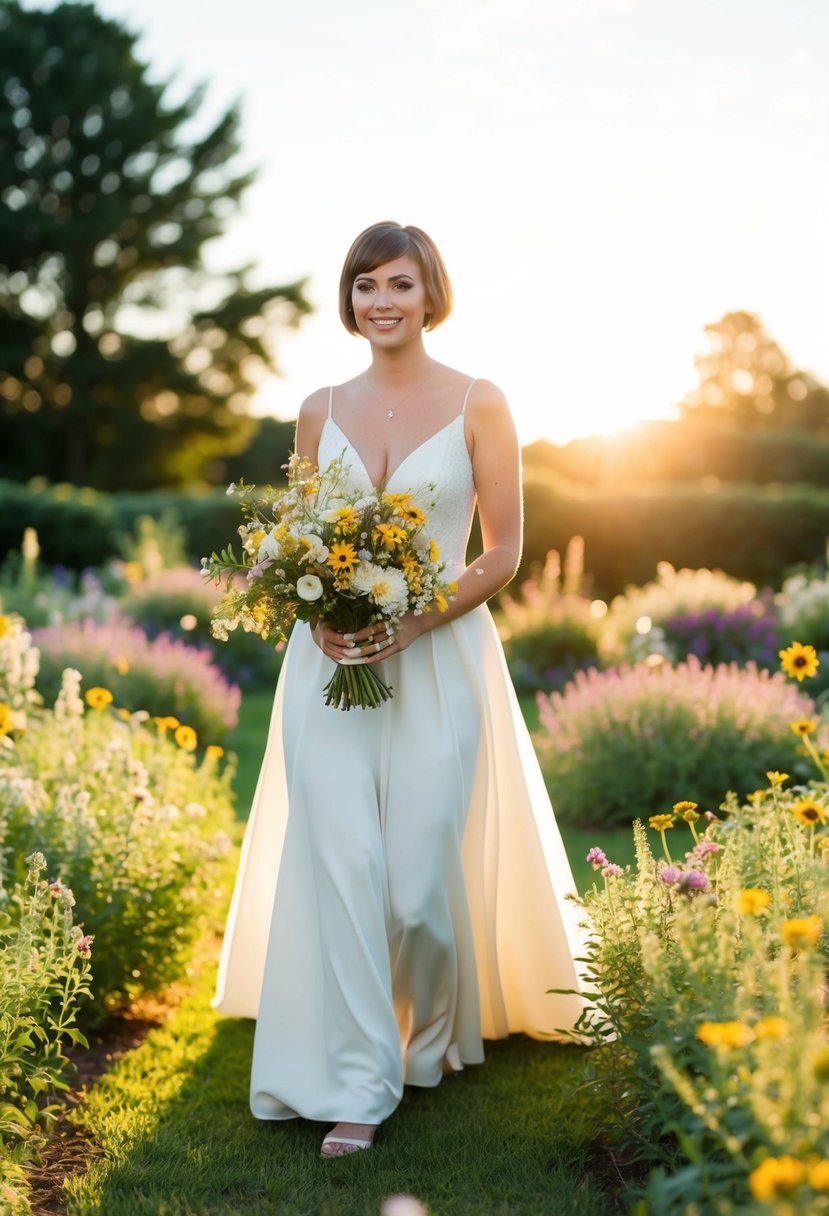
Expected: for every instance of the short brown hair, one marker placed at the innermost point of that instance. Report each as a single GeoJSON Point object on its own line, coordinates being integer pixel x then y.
{"type": "Point", "coordinates": [384, 242]}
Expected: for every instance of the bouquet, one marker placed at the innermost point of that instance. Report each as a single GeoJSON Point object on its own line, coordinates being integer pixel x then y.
{"type": "Point", "coordinates": [316, 550]}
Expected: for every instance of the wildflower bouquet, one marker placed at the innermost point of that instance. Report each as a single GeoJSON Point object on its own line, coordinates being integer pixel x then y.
{"type": "Point", "coordinates": [318, 550]}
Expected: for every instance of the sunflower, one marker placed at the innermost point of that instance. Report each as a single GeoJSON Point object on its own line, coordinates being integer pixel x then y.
{"type": "Point", "coordinates": [808, 812]}
{"type": "Point", "coordinates": [342, 556]}
{"type": "Point", "coordinates": [799, 661]}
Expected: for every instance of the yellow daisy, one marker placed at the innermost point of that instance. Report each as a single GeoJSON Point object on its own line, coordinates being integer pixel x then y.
{"type": "Point", "coordinates": [808, 812]}
{"type": "Point", "coordinates": [186, 738]}
{"type": "Point", "coordinates": [752, 901]}
{"type": "Point", "coordinates": [342, 557]}
{"type": "Point", "coordinates": [799, 661]}
{"type": "Point", "coordinates": [98, 698]}
{"type": "Point", "coordinates": [661, 823]}
{"type": "Point", "coordinates": [804, 726]}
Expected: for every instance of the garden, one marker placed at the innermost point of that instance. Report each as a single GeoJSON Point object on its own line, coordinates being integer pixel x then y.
{"type": "Point", "coordinates": [680, 729]}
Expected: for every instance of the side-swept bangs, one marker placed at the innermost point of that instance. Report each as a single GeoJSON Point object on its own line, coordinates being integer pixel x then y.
{"type": "Point", "coordinates": [384, 242]}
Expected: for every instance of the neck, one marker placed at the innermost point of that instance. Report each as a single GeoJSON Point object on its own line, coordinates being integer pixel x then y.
{"type": "Point", "coordinates": [391, 367]}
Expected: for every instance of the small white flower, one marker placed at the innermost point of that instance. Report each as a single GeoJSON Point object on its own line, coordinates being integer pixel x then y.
{"type": "Point", "coordinates": [317, 551]}
{"type": "Point", "coordinates": [231, 489]}
{"type": "Point", "coordinates": [268, 548]}
{"type": "Point", "coordinates": [309, 587]}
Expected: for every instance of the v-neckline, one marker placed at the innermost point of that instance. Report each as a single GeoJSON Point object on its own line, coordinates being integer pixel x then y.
{"type": "Point", "coordinates": [406, 458]}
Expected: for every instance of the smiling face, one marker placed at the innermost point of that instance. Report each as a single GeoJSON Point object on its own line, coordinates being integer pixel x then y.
{"type": "Point", "coordinates": [390, 302]}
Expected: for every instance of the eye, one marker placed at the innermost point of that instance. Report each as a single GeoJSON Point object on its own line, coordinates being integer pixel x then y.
{"type": "Point", "coordinates": [363, 286]}
{"type": "Point", "coordinates": [404, 285]}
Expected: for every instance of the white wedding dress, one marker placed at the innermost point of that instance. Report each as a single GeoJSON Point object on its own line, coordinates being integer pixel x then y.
{"type": "Point", "coordinates": [402, 891]}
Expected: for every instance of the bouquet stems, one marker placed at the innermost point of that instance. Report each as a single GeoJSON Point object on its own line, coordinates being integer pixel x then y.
{"type": "Point", "coordinates": [356, 686]}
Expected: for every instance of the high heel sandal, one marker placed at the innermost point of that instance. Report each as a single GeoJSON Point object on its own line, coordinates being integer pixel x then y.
{"type": "Point", "coordinates": [352, 1146]}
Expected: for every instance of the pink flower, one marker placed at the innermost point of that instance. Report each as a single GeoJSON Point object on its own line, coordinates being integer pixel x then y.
{"type": "Point", "coordinates": [57, 888]}
{"type": "Point", "coordinates": [670, 874]}
{"type": "Point", "coordinates": [694, 880]}
{"type": "Point", "coordinates": [84, 944]}
{"type": "Point", "coordinates": [611, 871]}
{"type": "Point", "coordinates": [596, 858]}
{"type": "Point", "coordinates": [705, 847]}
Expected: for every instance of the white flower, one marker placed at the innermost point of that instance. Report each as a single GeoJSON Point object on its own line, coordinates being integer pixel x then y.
{"type": "Point", "coordinates": [269, 547]}
{"type": "Point", "coordinates": [385, 588]}
{"type": "Point", "coordinates": [328, 517]}
{"type": "Point", "coordinates": [309, 587]}
{"type": "Point", "coordinates": [231, 489]}
{"type": "Point", "coordinates": [317, 551]}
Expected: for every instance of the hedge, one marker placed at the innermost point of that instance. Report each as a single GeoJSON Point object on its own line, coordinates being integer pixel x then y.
{"type": "Point", "coordinates": [751, 532]}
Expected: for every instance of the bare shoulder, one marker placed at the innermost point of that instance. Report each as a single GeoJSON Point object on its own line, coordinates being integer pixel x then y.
{"type": "Point", "coordinates": [488, 407]}
{"type": "Point", "coordinates": [315, 406]}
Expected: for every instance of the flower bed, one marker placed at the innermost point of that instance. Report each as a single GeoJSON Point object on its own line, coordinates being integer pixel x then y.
{"type": "Point", "coordinates": [709, 965]}
{"type": "Point", "coordinates": [618, 743]}
{"type": "Point", "coordinates": [161, 676]}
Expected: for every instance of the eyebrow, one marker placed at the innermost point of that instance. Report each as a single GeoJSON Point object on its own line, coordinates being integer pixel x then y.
{"type": "Point", "coordinates": [394, 278]}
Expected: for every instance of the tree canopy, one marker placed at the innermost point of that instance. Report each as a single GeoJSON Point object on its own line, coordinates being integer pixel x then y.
{"type": "Point", "coordinates": [746, 378]}
{"type": "Point", "coordinates": [124, 362]}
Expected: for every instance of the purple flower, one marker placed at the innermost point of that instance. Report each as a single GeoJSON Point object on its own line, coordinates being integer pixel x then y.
{"type": "Point", "coordinates": [611, 871]}
{"type": "Point", "coordinates": [694, 880]}
{"type": "Point", "coordinates": [670, 874]}
{"type": "Point", "coordinates": [596, 858]}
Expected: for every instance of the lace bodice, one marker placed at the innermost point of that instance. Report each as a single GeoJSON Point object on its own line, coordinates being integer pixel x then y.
{"type": "Point", "coordinates": [442, 462]}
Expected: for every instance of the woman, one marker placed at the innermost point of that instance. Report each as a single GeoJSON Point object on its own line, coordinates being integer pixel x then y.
{"type": "Point", "coordinates": [420, 903]}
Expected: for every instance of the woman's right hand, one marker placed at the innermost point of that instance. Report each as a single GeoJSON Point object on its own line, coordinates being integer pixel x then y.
{"type": "Point", "coordinates": [355, 647]}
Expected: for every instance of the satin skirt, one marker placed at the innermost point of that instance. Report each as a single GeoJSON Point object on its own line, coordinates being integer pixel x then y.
{"type": "Point", "coordinates": [414, 900]}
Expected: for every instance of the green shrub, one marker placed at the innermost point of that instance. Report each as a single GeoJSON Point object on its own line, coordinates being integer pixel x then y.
{"type": "Point", "coordinates": [133, 822]}
{"type": "Point", "coordinates": [549, 631]}
{"type": "Point", "coordinates": [161, 676]}
{"type": "Point", "coordinates": [44, 978]}
{"type": "Point", "coordinates": [709, 1019]}
{"type": "Point", "coordinates": [617, 744]}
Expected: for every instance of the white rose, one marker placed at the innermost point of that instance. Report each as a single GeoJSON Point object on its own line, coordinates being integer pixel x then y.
{"type": "Point", "coordinates": [269, 547]}
{"type": "Point", "coordinates": [317, 551]}
{"type": "Point", "coordinates": [309, 587]}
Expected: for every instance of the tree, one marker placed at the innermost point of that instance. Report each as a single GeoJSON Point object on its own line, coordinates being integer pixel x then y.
{"type": "Point", "coordinates": [746, 378]}
{"type": "Point", "coordinates": [123, 361]}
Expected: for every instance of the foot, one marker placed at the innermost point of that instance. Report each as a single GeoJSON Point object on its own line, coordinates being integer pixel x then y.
{"type": "Point", "coordinates": [347, 1138]}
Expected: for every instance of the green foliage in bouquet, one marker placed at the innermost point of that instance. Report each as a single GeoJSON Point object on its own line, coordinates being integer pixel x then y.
{"type": "Point", "coordinates": [708, 962]}
{"type": "Point", "coordinates": [44, 978]}
{"type": "Point", "coordinates": [318, 550]}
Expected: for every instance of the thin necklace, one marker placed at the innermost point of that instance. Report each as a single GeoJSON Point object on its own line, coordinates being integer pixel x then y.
{"type": "Point", "coordinates": [391, 412]}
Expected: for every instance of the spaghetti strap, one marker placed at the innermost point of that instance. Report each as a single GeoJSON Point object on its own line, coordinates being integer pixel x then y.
{"type": "Point", "coordinates": [331, 401]}
{"type": "Point", "coordinates": [466, 398]}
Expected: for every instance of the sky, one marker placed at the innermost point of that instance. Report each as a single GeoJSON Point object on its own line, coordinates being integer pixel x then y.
{"type": "Point", "coordinates": [603, 178]}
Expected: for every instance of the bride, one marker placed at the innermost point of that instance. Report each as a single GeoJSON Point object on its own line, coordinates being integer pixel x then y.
{"type": "Point", "coordinates": [402, 892]}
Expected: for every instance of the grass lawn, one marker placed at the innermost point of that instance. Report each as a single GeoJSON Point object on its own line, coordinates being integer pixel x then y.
{"type": "Point", "coordinates": [515, 1138]}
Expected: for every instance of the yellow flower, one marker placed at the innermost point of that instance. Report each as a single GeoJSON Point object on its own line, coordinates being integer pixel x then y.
{"type": "Point", "coordinates": [186, 738]}
{"type": "Point", "coordinates": [124, 714]}
{"type": "Point", "coordinates": [342, 558]}
{"type": "Point", "coordinates": [820, 1065]}
{"type": "Point", "coordinates": [98, 698]}
{"type": "Point", "coordinates": [802, 931]}
{"type": "Point", "coordinates": [412, 515]}
{"type": "Point", "coordinates": [5, 626]}
{"type": "Point", "coordinates": [724, 1034]}
{"type": "Point", "coordinates": [776, 778]}
{"type": "Point", "coordinates": [687, 810]}
{"type": "Point", "coordinates": [808, 812]}
{"type": "Point", "coordinates": [167, 723]}
{"type": "Point", "coordinates": [774, 1177]}
{"type": "Point", "coordinates": [133, 572]}
{"type": "Point", "coordinates": [411, 569]}
{"type": "Point", "coordinates": [804, 726]}
{"type": "Point", "coordinates": [347, 519]}
{"type": "Point", "coordinates": [661, 823]}
{"type": "Point", "coordinates": [5, 719]}
{"type": "Point", "coordinates": [756, 796]}
{"type": "Point", "coordinates": [389, 535]}
{"type": "Point", "coordinates": [752, 901]}
{"type": "Point", "coordinates": [434, 550]}
{"type": "Point", "coordinates": [819, 1176]}
{"type": "Point", "coordinates": [213, 751]}
{"type": "Point", "coordinates": [771, 1027]}
{"type": "Point", "coordinates": [121, 665]}
{"type": "Point", "coordinates": [441, 602]}
{"type": "Point", "coordinates": [799, 661]}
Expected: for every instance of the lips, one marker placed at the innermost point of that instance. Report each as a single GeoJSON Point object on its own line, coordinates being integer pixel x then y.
{"type": "Point", "coordinates": [385, 322]}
